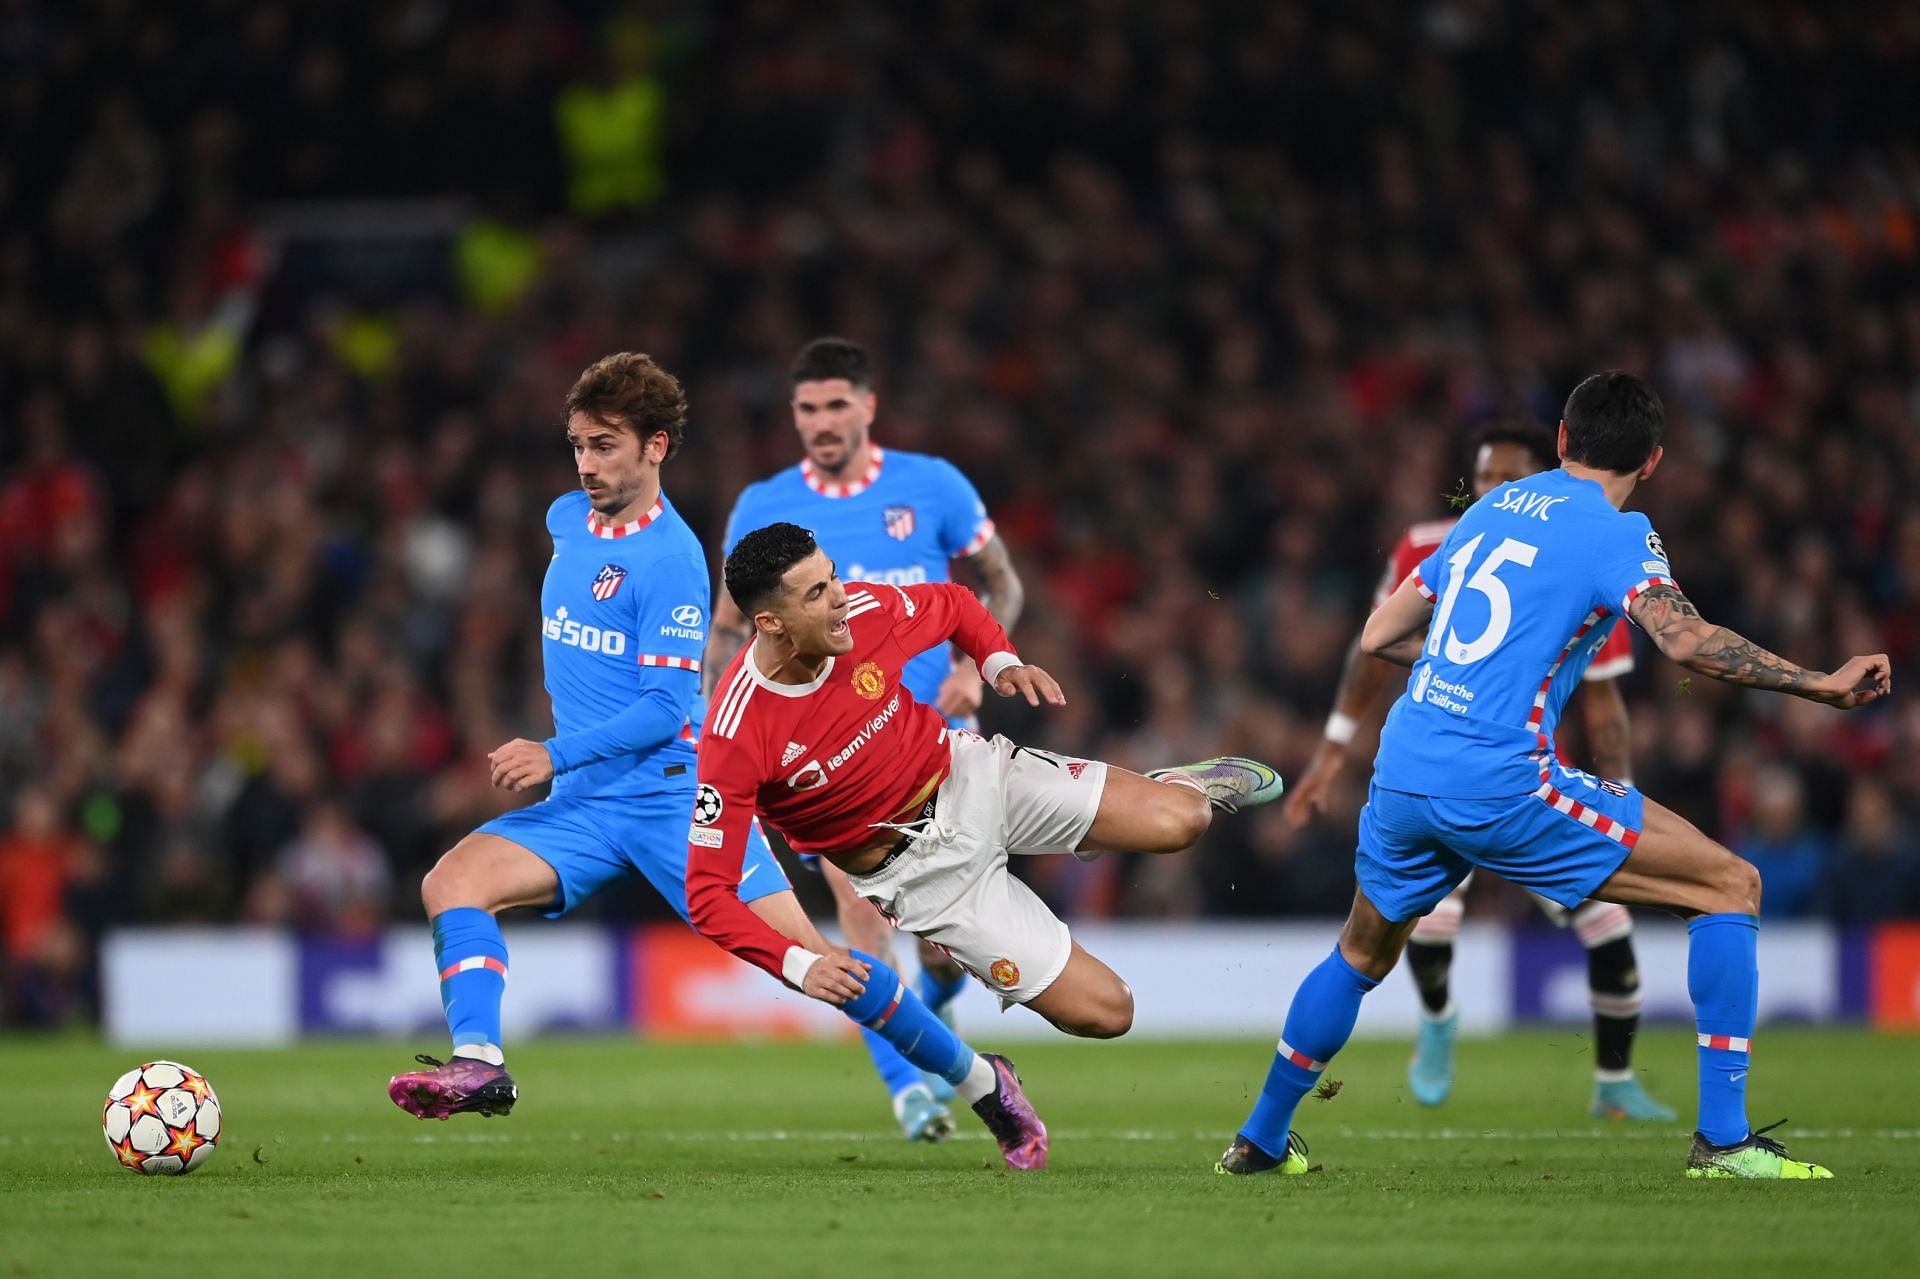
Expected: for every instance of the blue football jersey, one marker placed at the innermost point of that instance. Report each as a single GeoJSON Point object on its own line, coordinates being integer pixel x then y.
{"type": "Point", "coordinates": [900, 523]}
{"type": "Point", "coordinates": [617, 602]}
{"type": "Point", "coordinates": [1524, 590]}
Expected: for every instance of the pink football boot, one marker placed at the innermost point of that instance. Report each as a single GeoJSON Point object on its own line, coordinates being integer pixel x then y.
{"type": "Point", "coordinates": [454, 1087]}
{"type": "Point", "coordinates": [1010, 1117]}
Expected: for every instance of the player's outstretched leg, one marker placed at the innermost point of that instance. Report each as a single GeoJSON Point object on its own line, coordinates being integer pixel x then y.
{"type": "Point", "coordinates": [1723, 977]}
{"type": "Point", "coordinates": [1230, 782]}
{"type": "Point", "coordinates": [986, 1081]}
{"type": "Point", "coordinates": [1613, 990]}
{"type": "Point", "coordinates": [1430, 960]}
{"type": "Point", "coordinates": [918, 1097]}
{"type": "Point", "coordinates": [1318, 1025]}
{"type": "Point", "coordinates": [480, 876]}
{"type": "Point", "coordinates": [1674, 866]}
{"type": "Point", "coordinates": [472, 958]}
{"type": "Point", "coordinates": [939, 983]}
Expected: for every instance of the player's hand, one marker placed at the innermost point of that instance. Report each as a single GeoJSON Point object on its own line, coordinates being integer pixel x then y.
{"type": "Point", "coordinates": [1861, 680]}
{"type": "Point", "coordinates": [1307, 796]}
{"type": "Point", "coordinates": [960, 693]}
{"type": "Point", "coordinates": [520, 764]}
{"type": "Point", "coordinates": [1032, 683]}
{"type": "Point", "coordinates": [835, 978]}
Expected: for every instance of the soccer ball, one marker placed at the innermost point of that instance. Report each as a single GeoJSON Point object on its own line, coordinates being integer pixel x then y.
{"type": "Point", "coordinates": [162, 1119]}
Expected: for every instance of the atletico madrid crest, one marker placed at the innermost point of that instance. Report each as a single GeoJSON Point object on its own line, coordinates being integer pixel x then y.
{"type": "Point", "coordinates": [899, 521]}
{"type": "Point", "coordinates": [607, 581]}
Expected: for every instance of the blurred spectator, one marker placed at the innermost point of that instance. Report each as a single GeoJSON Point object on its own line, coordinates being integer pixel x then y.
{"type": "Point", "coordinates": [1779, 840]}
{"type": "Point", "coordinates": [335, 877]}
{"type": "Point", "coordinates": [40, 860]}
{"type": "Point", "coordinates": [1875, 871]}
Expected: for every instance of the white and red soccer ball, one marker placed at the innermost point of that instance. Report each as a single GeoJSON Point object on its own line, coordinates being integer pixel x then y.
{"type": "Point", "coordinates": [162, 1119]}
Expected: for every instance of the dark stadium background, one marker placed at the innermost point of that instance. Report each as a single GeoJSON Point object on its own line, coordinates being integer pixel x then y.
{"type": "Point", "coordinates": [1205, 298]}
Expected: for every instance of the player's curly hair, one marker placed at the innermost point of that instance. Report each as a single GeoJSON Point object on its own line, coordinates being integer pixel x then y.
{"type": "Point", "coordinates": [629, 390]}
{"type": "Point", "coordinates": [759, 561]}
{"type": "Point", "coordinates": [826, 358]}
{"type": "Point", "coordinates": [1614, 422]}
{"type": "Point", "coordinates": [1536, 439]}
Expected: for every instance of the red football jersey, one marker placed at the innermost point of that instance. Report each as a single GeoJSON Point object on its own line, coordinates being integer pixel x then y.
{"type": "Point", "coordinates": [1615, 657]}
{"type": "Point", "coordinates": [824, 762]}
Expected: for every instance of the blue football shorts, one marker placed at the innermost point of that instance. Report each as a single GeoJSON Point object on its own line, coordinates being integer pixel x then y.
{"type": "Point", "coordinates": [1562, 841]}
{"type": "Point", "coordinates": [591, 842]}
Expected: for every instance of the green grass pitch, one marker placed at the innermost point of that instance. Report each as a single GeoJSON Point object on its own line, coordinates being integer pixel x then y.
{"type": "Point", "coordinates": [639, 1159]}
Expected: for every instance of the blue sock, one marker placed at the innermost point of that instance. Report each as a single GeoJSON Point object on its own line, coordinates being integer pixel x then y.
{"type": "Point", "coordinates": [1723, 977]}
{"type": "Point", "coordinates": [937, 992]}
{"type": "Point", "coordinates": [895, 1014]}
{"type": "Point", "coordinates": [896, 1072]}
{"type": "Point", "coordinates": [1318, 1025]}
{"type": "Point", "coordinates": [472, 958]}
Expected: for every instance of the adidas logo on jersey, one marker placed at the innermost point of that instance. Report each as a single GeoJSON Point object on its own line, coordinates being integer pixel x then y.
{"type": "Point", "coordinates": [794, 751]}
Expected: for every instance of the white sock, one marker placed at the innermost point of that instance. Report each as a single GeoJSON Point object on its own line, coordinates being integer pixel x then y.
{"type": "Point", "coordinates": [980, 1082]}
{"type": "Point", "coordinates": [1442, 1015]}
{"type": "Point", "coordinates": [1611, 1076]}
{"type": "Point", "coordinates": [489, 1053]}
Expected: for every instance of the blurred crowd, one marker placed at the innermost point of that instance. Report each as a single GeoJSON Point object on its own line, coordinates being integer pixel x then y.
{"type": "Point", "coordinates": [1205, 300]}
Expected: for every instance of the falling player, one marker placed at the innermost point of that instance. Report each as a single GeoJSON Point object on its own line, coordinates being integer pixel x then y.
{"type": "Point", "coordinates": [813, 731]}
{"type": "Point", "coordinates": [1466, 774]}
{"type": "Point", "coordinates": [1503, 454]}
{"type": "Point", "coordinates": [622, 631]}
{"type": "Point", "coordinates": [898, 518]}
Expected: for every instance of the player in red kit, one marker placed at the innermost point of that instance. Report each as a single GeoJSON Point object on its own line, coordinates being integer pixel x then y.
{"type": "Point", "coordinates": [1502, 454]}
{"type": "Point", "coordinates": [811, 730]}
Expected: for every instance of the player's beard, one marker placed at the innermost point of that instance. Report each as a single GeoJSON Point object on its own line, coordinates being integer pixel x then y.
{"type": "Point", "coordinates": [611, 499]}
{"type": "Point", "coordinates": [852, 446]}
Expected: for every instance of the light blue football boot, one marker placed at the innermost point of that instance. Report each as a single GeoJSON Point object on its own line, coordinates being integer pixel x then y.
{"type": "Point", "coordinates": [1230, 783]}
{"type": "Point", "coordinates": [921, 1117]}
{"type": "Point", "coordinates": [1626, 1099]}
{"type": "Point", "coordinates": [1430, 1072]}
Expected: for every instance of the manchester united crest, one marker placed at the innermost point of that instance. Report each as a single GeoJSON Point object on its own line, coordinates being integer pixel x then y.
{"type": "Point", "coordinates": [1005, 973]}
{"type": "Point", "coordinates": [869, 680]}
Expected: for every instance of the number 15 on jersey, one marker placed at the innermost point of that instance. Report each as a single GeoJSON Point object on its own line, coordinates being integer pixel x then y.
{"type": "Point", "coordinates": [1486, 580]}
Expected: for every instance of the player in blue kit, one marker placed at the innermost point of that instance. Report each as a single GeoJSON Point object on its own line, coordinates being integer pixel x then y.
{"type": "Point", "coordinates": [622, 627]}
{"type": "Point", "coordinates": [1498, 624]}
{"type": "Point", "coordinates": [884, 516]}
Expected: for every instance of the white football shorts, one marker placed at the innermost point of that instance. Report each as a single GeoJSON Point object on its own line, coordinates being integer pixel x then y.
{"type": "Point", "coordinates": [951, 885]}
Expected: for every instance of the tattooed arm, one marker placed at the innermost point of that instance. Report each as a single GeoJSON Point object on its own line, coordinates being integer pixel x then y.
{"type": "Point", "coordinates": [1676, 626]}
{"type": "Point", "coordinates": [728, 631]}
{"type": "Point", "coordinates": [1000, 589]}
{"type": "Point", "coordinates": [1000, 586]}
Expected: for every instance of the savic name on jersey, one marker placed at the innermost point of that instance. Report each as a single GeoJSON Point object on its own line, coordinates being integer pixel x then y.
{"type": "Point", "coordinates": [1526, 589]}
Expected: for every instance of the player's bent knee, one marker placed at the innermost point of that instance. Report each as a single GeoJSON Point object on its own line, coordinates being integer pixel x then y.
{"type": "Point", "coordinates": [1111, 1018]}
{"type": "Point", "coordinates": [451, 884]}
{"type": "Point", "coordinates": [1105, 1011]}
{"type": "Point", "coordinates": [439, 889]}
{"type": "Point", "coordinates": [1180, 818]}
{"type": "Point", "coordinates": [1741, 883]}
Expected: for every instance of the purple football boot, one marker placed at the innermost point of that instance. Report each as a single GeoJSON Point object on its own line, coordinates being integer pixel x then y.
{"type": "Point", "coordinates": [1010, 1117]}
{"type": "Point", "coordinates": [454, 1087]}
